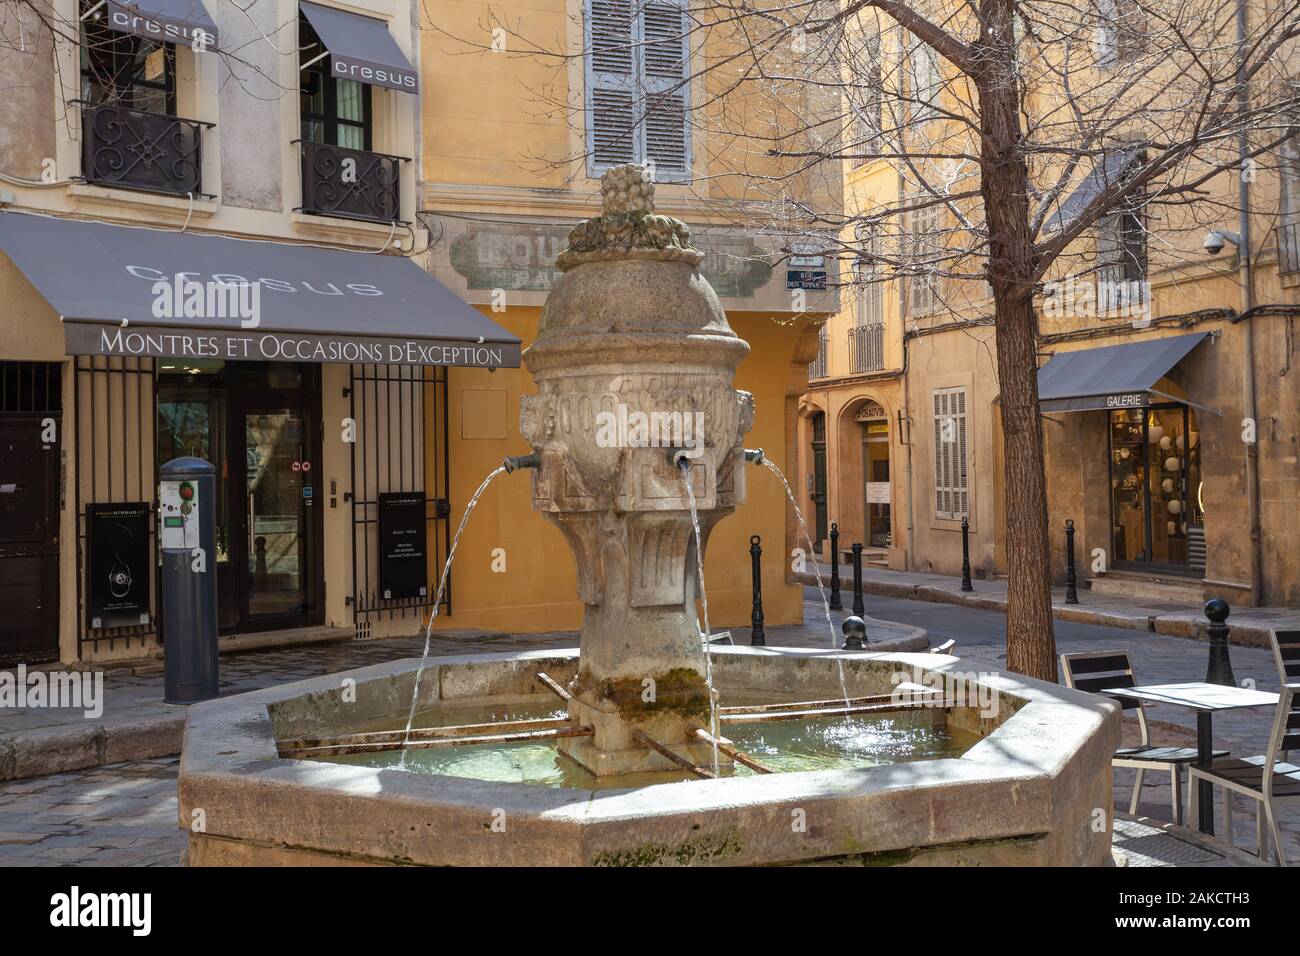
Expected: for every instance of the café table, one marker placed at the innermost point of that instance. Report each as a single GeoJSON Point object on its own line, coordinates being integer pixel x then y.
{"type": "Point", "coordinates": [1206, 699]}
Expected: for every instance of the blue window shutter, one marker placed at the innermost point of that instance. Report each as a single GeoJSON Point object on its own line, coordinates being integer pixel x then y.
{"type": "Point", "coordinates": [638, 93]}
{"type": "Point", "coordinates": [610, 29]}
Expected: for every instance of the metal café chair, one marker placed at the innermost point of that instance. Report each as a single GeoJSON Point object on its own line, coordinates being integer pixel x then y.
{"type": "Point", "coordinates": [1286, 652]}
{"type": "Point", "coordinates": [1267, 779]}
{"type": "Point", "coordinates": [1095, 670]}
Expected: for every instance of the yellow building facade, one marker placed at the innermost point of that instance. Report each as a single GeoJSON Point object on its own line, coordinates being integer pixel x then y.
{"type": "Point", "coordinates": [399, 205]}
{"type": "Point", "coordinates": [1179, 488]}
{"type": "Point", "coordinates": [509, 166]}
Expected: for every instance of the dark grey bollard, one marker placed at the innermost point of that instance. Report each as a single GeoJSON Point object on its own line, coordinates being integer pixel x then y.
{"type": "Point", "coordinates": [1219, 669]}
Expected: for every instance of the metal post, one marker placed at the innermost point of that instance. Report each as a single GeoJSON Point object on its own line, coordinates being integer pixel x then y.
{"type": "Point", "coordinates": [756, 635]}
{"type": "Point", "coordinates": [1219, 670]}
{"type": "Point", "coordinates": [836, 603]}
{"type": "Point", "coordinates": [965, 554]}
{"type": "Point", "coordinates": [855, 634]}
{"type": "Point", "coordinates": [1071, 589]}
{"type": "Point", "coordinates": [858, 607]}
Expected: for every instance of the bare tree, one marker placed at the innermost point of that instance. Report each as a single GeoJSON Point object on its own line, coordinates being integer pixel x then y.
{"type": "Point", "coordinates": [1032, 138]}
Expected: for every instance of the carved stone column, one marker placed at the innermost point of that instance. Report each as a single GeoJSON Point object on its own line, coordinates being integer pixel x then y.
{"type": "Point", "coordinates": [634, 357]}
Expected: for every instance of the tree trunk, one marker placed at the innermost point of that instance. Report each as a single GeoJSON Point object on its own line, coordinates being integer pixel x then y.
{"type": "Point", "coordinates": [1031, 645]}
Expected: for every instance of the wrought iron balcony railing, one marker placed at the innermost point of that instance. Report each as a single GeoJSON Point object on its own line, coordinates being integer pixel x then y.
{"type": "Point", "coordinates": [351, 183]}
{"type": "Point", "coordinates": [1288, 235]}
{"type": "Point", "coordinates": [818, 368]}
{"type": "Point", "coordinates": [132, 149]}
{"type": "Point", "coordinates": [867, 348]}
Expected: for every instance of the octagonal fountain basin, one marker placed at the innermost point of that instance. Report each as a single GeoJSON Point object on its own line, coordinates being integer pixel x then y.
{"type": "Point", "coordinates": [969, 768]}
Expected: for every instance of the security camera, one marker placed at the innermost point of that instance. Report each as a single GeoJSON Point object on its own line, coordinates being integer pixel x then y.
{"type": "Point", "coordinates": [1215, 240]}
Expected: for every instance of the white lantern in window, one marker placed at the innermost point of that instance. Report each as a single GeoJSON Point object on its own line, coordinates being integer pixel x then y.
{"type": "Point", "coordinates": [1171, 464]}
{"type": "Point", "coordinates": [1166, 443]}
{"type": "Point", "coordinates": [1175, 507]}
{"type": "Point", "coordinates": [1167, 485]}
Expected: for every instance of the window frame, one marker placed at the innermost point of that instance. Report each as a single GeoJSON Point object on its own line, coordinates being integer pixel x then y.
{"type": "Point", "coordinates": [869, 303]}
{"type": "Point", "coordinates": [928, 243]}
{"type": "Point", "coordinates": [952, 464]}
{"type": "Point", "coordinates": [330, 119]}
{"type": "Point", "coordinates": [122, 51]}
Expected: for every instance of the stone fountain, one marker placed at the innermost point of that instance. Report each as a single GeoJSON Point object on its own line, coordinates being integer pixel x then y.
{"type": "Point", "coordinates": [633, 332]}
{"type": "Point", "coordinates": [631, 329]}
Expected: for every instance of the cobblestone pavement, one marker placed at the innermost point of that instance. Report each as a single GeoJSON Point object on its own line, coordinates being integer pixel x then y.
{"type": "Point", "coordinates": [125, 814]}
{"type": "Point", "coordinates": [120, 815]}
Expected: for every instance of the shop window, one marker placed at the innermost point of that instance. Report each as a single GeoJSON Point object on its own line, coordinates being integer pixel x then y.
{"type": "Point", "coordinates": [335, 111]}
{"type": "Point", "coordinates": [121, 69]}
{"type": "Point", "coordinates": [1156, 494]}
{"type": "Point", "coordinates": [638, 86]}
{"type": "Point", "coordinates": [951, 481]}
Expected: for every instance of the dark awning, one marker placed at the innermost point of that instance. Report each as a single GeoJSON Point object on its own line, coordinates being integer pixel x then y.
{"type": "Point", "coordinates": [361, 48]}
{"type": "Point", "coordinates": [1113, 166]}
{"type": "Point", "coordinates": [1114, 376]}
{"type": "Point", "coordinates": [115, 288]}
{"type": "Point", "coordinates": [168, 21]}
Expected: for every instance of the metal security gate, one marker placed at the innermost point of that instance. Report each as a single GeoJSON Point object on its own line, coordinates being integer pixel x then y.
{"type": "Point", "coordinates": [31, 402]}
{"type": "Point", "coordinates": [115, 463]}
{"type": "Point", "coordinates": [399, 416]}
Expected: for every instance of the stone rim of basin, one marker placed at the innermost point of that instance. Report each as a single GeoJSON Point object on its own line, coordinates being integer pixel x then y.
{"type": "Point", "coordinates": [1027, 793]}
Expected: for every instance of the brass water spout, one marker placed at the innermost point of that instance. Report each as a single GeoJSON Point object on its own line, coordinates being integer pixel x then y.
{"type": "Point", "coordinates": [679, 458]}
{"type": "Point", "coordinates": [754, 455]}
{"type": "Point", "coordinates": [515, 462]}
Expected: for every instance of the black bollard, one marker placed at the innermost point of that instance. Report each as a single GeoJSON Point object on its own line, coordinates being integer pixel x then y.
{"type": "Point", "coordinates": [858, 607]}
{"type": "Point", "coordinates": [1071, 590]}
{"type": "Point", "coordinates": [756, 635]}
{"type": "Point", "coordinates": [836, 603]}
{"type": "Point", "coordinates": [965, 554]}
{"type": "Point", "coordinates": [1219, 670]}
{"type": "Point", "coordinates": [855, 634]}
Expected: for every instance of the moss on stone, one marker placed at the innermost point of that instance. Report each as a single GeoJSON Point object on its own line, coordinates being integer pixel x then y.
{"type": "Point", "coordinates": [703, 850]}
{"type": "Point", "coordinates": [680, 691]}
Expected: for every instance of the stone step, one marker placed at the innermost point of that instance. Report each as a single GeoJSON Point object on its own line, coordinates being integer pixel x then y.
{"type": "Point", "coordinates": [1148, 587]}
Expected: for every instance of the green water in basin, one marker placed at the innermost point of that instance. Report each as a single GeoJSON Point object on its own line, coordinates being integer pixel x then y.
{"type": "Point", "coordinates": [826, 743]}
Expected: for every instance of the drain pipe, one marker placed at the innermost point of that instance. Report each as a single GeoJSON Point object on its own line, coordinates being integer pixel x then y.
{"type": "Point", "coordinates": [905, 416]}
{"type": "Point", "coordinates": [1247, 279]}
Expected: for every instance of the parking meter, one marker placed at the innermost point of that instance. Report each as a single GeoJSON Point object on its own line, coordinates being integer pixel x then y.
{"type": "Point", "coordinates": [187, 539]}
